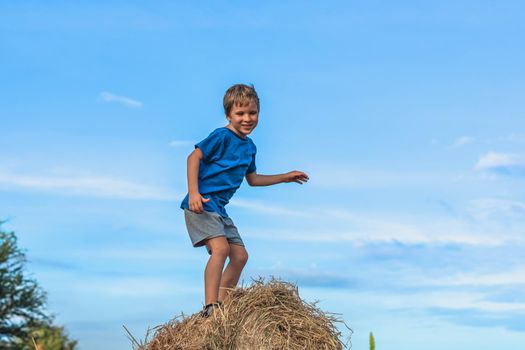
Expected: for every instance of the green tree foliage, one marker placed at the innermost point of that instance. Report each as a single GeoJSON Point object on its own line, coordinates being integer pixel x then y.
{"type": "Point", "coordinates": [51, 338]}
{"type": "Point", "coordinates": [372, 342]}
{"type": "Point", "coordinates": [22, 304]}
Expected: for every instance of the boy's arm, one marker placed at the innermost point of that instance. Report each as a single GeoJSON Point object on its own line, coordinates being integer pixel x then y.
{"type": "Point", "coordinates": [255, 179]}
{"type": "Point", "coordinates": [194, 197]}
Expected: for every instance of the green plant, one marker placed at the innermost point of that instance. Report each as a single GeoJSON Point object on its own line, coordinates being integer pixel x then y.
{"type": "Point", "coordinates": [24, 320]}
{"type": "Point", "coordinates": [372, 342]}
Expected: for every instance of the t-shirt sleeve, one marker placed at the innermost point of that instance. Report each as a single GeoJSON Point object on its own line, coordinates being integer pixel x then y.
{"type": "Point", "coordinates": [211, 147]}
{"type": "Point", "coordinates": [252, 167]}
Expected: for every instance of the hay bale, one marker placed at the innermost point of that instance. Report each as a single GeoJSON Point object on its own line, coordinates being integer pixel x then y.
{"type": "Point", "coordinates": [262, 316]}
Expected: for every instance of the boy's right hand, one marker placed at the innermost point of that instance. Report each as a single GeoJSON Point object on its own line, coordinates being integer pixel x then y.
{"type": "Point", "coordinates": [195, 202]}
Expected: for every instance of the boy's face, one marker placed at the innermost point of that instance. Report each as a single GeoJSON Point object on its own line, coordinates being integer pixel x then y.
{"type": "Point", "coordinates": [243, 119]}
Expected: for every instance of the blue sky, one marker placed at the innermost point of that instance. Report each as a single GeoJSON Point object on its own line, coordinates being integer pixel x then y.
{"type": "Point", "coordinates": [408, 116]}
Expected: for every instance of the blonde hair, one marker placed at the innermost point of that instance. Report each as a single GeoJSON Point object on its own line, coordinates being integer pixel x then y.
{"type": "Point", "coordinates": [239, 94]}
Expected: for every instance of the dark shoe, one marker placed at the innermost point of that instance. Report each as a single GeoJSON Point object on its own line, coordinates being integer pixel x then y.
{"type": "Point", "coordinates": [207, 310]}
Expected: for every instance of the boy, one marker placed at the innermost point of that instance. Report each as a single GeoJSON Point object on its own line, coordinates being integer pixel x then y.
{"type": "Point", "coordinates": [216, 168]}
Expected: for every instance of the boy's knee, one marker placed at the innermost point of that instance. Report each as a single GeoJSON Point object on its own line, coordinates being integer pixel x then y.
{"type": "Point", "coordinates": [242, 258]}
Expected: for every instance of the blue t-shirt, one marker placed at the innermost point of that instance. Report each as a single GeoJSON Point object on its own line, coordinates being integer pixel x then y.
{"type": "Point", "coordinates": [227, 158]}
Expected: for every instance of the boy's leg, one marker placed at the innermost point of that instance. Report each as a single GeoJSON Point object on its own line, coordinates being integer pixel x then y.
{"type": "Point", "coordinates": [232, 273]}
{"type": "Point", "coordinates": [220, 249]}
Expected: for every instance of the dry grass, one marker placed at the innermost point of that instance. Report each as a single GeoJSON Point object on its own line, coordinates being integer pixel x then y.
{"type": "Point", "coordinates": [263, 316]}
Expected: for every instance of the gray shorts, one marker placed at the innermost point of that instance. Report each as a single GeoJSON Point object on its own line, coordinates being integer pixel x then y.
{"type": "Point", "coordinates": [208, 225]}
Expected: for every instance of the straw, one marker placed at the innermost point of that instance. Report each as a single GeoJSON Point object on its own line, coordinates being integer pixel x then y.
{"type": "Point", "coordinates": [262, 316]}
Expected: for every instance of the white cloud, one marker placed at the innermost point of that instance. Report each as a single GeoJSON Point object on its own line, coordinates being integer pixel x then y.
{"type": "Point", "coordinates": [486, 208]}
{"type": "Point", "coordinates": [516, 276]}
{"type": "Point", "coordinates": [462, 141]}
{"type": "Point", "coordinates": [339, 224]}
{"type": "Point", "coordinates": [453, 301]}
{"type": "Point", "coordinates": [365, 229]}
{"type": "Point", "coordinates": [510, 138]}
{"type": "Point", "coordinates": [487, 225]}
{"type": "Point", "coordinates": [181, 143]}
{"type": "Point", "coordinates": [126, 101]}
{"type": "Point", "coordinates": [499, 161]}
{"type": "Point", "coordinates": [264, 208]}
{"type": "Point", "coordinates": [162, 254]}
{"type": "Point", "coordinates": [149, 287]}
{"type": "Point", "coordinates": [351, 178]}
{"type": "Point", "coordinates": [87, 186]}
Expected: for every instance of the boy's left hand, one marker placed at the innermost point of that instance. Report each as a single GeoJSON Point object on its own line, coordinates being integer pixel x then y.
{"type": "Point", "coordinates": [296, 176]}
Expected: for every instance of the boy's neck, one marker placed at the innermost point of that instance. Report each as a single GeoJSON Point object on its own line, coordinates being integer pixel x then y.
{"type": "Point", "coordinates": [229, 126]}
